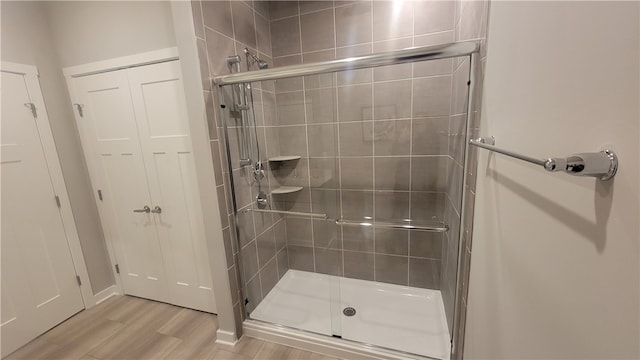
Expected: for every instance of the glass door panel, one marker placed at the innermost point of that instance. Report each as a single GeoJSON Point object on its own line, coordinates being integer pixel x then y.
{"type": "Point", "coordinates": [292, 256]}
{"type": "Point", "coordinates": [357, 165]}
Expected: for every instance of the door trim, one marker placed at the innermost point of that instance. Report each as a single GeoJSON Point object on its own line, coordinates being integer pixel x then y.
{"type": "Point", "coordinates": [31, 76]}
{"type": "Point", "coordinates": [72, 72]}
{"type": "Point", "coordinates": [146, 58]}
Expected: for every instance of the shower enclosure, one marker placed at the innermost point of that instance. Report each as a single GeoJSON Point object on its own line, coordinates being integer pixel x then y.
{"type": "Point", "coordinates": [347, 179]}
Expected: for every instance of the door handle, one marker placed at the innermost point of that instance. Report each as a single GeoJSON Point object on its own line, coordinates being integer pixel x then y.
{"type": "Point", "coordinates": [156, 210]}
{"type": "Point", "coordinates": [145, 209]}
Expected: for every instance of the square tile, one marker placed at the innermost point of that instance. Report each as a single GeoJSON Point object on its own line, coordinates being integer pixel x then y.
{"type": "Point", "coordinates": [392, 137]}
{"type": "Point", "coordinates": [355, 103]}
{"type": "Point", "coordinates": [424, 273]}
{"type": "Point", "coordinates": [266, 244]}
{"type": "Point", "coordinates": [392, 269]}
{"type": "Point", "coordinates": [301, 258]}
{"type": "Point", "coordinates": [353, 24]}
{"type": "Point", "coordinates": [290, 107]}
{"type": "Point", "coordinates": [321, 105]}
{"type": "Point", "coordinates": [392, 100]}
{"type": "Point", "coordinates": [431, 96]}
{"type": "Point", "coordinates": [249, 255]}
{"type": "Point", "coordinates": [433, 16]}
{"type": "Point", "coordinates": [328, 261]}
{"type": "Point", "coordinates": [429, 173]}
{"type": "Point", "coordinates": [430, 136]}
{"type": "Point", "coordinates": [285, 36]}
{"type": "Point", "coordinates": [425, 244]}
{"type": "Point", "coordinates": [391, 206]}
{"type": "Point", "coordinates": [280, 9]}
{"type": "Point", "coordinates": [317, 30]}
{"type": "Point", "coordinates": [392, 241]}
{"type": "Point", "coordinates": [322, 140]}
{"type": "Point", "coordinates": [392, 173]}
{"type": "Point", "coordinates": [217, 15]}
{"type": "Point", "coordinates": [359, 76]}
{"type": "Point", "coordinates": [243, 25]}
{"type": "Point", "coordinates": [356, 139]}
{"type": "Point", "coordinates": [298, 231]}
{"type": "Point", "coordinates": [357, 205]}
{"type": "Point", "coordinates": [323, 173]}
{"type": "Point", "coordinates": [358, 265]}
{"type": "Point", "coordinates": [269, 276]}
{"type": "Point", "coordinates": [358, 238]}
{"type": "Point", "coordinates": [392, 19]}
{"type": "Point", "coordinates": [356, 173]}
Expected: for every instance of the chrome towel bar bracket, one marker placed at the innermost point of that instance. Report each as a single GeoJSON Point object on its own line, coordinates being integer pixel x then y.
{"type": "Point", "coordinates": [602, 165]}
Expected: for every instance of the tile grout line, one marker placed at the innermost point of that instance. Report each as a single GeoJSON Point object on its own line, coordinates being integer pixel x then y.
{"type": "Point", "coordinates": [413, 41]}
{"type": "Point", "coordinates": [373, 148]}
{"type": "Point", "coordinates": [336, 124]}
{"type": "Point", "coordinates": [306, 132]}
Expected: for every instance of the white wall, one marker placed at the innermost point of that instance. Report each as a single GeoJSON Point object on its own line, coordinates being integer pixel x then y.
{"type": "Point", "coordinates": [26, 39]}
{"type": "Point", "coordinates": [88, 31]}
{"type": "Point", "coordinates": [555, 261]}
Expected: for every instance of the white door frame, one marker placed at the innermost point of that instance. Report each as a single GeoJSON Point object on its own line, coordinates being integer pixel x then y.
{"type": "Point", "coordinates": [31, 76]}
{"type": "Point", "coordinates": [147, 58]}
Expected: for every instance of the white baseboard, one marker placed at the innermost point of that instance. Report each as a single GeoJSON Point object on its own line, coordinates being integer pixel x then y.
{"type": "Point", "coordinates": [105, 294]}
{"type": "Point", "coordinates": [226, 337]}
{"type": "Point", "coordinates": [330, 346]}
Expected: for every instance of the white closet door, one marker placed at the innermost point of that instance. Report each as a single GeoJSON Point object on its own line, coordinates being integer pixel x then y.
{"type": "Point", "coordinates": [160, 108]}
{"type": "Point", "coordinates": [39, 288]}
{"type": "Point", "coordinates": [110, 136]}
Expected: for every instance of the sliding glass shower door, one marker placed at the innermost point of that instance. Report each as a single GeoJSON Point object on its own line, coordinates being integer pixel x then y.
{"type": "Point", "coordinates": [347, 188]}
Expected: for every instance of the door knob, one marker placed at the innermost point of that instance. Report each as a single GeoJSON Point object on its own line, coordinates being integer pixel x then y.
{"type": "Point", "coordinates": [145, 209]}
{"type": "Point", "coordinates": [156, 210]}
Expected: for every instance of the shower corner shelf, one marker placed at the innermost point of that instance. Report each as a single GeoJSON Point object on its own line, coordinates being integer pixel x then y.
{"type": "Point", "coordinates": [284, 158]}
{"type": "Point", "coordinates": [286, 190]}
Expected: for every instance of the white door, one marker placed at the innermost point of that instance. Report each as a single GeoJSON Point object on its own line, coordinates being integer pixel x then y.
{"type": "Point", "coordinates": [161, 114]}
{"type": "Point", "coordinates": [134, 123]}
{"type": "Point", "coordinates": [110, 137]}
{"type": "Point", "coordinates": [39, 288]}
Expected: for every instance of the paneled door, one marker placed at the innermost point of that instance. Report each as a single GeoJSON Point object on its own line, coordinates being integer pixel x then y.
{"type": "Point", "coordinates": [135, 132]}
{"type": "Point", "coordinates": [109, 127]}
{"type": "Point", "coordinates": [39, 286]}
{"type": "Point", "coordinates": [160, 110]}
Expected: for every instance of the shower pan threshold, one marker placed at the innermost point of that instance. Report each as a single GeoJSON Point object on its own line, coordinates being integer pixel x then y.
{"type": "Point", "coordinates": [392, 318]}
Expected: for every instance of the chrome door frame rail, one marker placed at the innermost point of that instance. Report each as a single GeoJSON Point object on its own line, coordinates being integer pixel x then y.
{"type": "Point", "coordinates": [435, 227]}
{"type": "Point", "coordinates": [291, 213]}
{"type": "Point", "coordinates": [402, 56]}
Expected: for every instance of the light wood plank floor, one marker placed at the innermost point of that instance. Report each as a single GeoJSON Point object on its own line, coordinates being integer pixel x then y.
{"type": "Point", "coordinates": [125, 327]}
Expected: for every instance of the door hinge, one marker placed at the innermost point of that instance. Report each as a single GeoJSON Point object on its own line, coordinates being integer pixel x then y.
{"type": "Point", "coordinates": [79, 281]}
{"type": "Point", "coordinates": [100, 195]}
{"type": "Point", "coordinates": [117, 269]}
{"type": "Point", "coordinates": [58, 201]}
{"type": "Point", "coordinates": [80, 108]}
{"type": "Point", "coordinates": [32, 107]}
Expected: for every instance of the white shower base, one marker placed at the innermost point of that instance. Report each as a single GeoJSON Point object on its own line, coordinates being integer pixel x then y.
{"type": "Point", "coordinates": [396, 317]}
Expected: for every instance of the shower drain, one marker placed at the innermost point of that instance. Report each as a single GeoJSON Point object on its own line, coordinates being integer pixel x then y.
{"type": "Point", "coordinates": [349, 311]}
